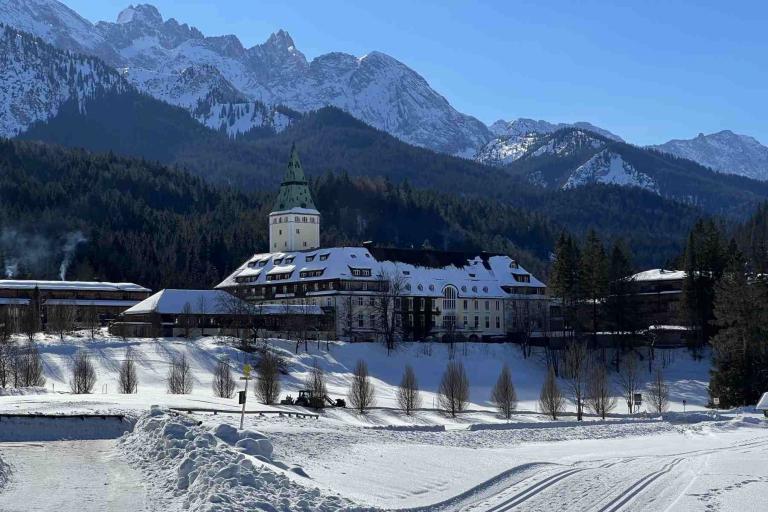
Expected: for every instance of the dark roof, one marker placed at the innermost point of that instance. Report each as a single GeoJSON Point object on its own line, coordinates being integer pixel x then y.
{"type": "Point", "coordinates": [430, 258]}
{"type": "Point", "coordinates": [294, 190]}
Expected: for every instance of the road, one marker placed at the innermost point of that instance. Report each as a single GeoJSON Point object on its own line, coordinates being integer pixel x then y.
{"type": "Point", "coordinates": [70, 475]}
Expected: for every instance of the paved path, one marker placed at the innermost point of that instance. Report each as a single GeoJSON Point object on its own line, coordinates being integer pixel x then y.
{"type": "Point", "coordinates": [69, 475]}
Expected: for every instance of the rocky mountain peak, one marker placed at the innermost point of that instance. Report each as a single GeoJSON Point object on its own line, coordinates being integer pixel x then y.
{"type": "Point", "coordinates": [141, 13]}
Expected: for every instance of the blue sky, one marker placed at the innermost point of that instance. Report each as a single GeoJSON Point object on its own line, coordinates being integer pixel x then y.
{"type": "Point", "coordinates": [646, 70]}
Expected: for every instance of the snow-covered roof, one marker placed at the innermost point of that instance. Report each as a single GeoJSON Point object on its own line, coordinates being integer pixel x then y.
{"type": "Point", "coordinates": [659, 274]}
{"type": "Point", "coordinates": [29, 284]}
{"type": "Point", "coordinates": [212, 302]}
{"type": "Point", "coordinates": [423, 273]}
{"type": "Point", "coordinates": [173, 302]}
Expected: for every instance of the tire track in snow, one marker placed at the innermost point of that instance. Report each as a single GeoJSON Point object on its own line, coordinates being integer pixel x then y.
{"type": "Point", "coordinates": [635, 489]}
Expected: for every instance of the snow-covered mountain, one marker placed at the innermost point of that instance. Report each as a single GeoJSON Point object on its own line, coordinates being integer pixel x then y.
{"type": "Point", "coordinates": [512, 139]}
{"type": "Point", "coordinates": [723, 151]}
{"type": "Point", "coordinates": [610, 168]}
{"type": "Point", "coordinates": [178, 64]}
{"type": "Point", "coordinates": [37, 79]}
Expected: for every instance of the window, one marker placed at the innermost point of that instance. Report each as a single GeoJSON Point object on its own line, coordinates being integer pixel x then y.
{"type": "Point", "coordinates": [466, 305]}
{"type": "Point", "coordinates": [303, 219]}
{"type": "Point", "coordinates": [304, 244]}
{"type": "Point", "coordinates": [360, 320]}
{"type": "Point", "coordinates": [297, 219]}
{"type": "Point", "coordinates": [408, 286]}
{"type": "Point", "coordinates": [323, 257]}
{"type": "Point", "coordinates": [309, 258]}
{"type": "Point", "coordinates": [487, 322]}
{"type": "Point", "coordinates": [406, 272]}
{"type": "Point", "coordinates": [372, 319]}
{"type": "Point", "coordinates": [278, 261]}
{"type": "Point", "coordinates": [498, 322]}
{"type": "Point", "coordinates": [289, 260]}
{"type": "Point", "coordinates": [464, 288]}
{"type": "Point", "coordinates": [487, 305]}
{"type": "Point", "coordinates": [465, 321]}
{"type": "Point", "coordinates": [431, 287]}
{"type": "Point", "coordinates": [474, 289]}
{"type": "Point", "coordinates": [279, 231]}
{"type": "Point", "coordinates": [522, 278]}
{"type": "Point", "coordinates": [485, 289]}
{"type": "Point", "coordinates": [371, 301]}
{"type": "Point", "coordinates": [359, 301]}
{"type": "Point", "coordinates": [311, 273]}
{"type": "Point", "coordinates": [421, 287]}
{"type": "Point", "coordinates": [498, 305]}
{"type": "Point", "coordinates": [328, 301]}
{"type": "Point", "coordinates": [297, 231]}
{"type": "Point", "coordinates": [477, 322]}
{"type": "Point", "coordinates": [361, 272]}
{"type": "Point", "coordinates": [476, 304]}
{"type": "Point", "coordinates": [449, 298]}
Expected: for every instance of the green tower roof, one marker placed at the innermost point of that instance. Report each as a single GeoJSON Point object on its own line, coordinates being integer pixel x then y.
{"type": "Point", "coordinates": [294, 191]}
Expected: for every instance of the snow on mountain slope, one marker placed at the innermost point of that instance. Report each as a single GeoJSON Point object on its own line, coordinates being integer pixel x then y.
{"type": "Point", "coordinates": [723, 151]}
{"type": "Point", "coordinates": [154, 53]}
{"type": "Point", "coordinates": [513, 139]}
{"type": "Point", "coordinates": [36, 80]}
{"type": "Point", "coordinates": [610, 168]}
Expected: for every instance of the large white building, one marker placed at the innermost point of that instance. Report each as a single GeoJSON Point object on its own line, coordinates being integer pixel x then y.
{"type": "Point", "coordinates": [420, 293]}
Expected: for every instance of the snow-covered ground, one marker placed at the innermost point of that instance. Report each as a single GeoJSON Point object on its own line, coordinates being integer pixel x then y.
{"type": "Point", "coordinates": [386, 460]}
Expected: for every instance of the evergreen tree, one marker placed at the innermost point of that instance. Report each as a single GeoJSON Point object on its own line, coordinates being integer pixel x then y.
{"type": "Point", "coordinates": [564, 281]}
{"type": "Point", "coordinates": [593, 278]}
{"type": "Point", "coordinates": [620, 304]}
{"type": "Point", "coordinates": [739, 372]}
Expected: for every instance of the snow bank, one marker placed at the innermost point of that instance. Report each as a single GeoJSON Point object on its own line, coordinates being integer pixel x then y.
{"type": "Point", "coordinates": [34, 390]}
{"type": "Point", "coordinates": [554, 424]}
{"type": "Point", "coordinates": [409, 428]}
{"type": "Point", "coordinates": [5, 473]}
{"type": "Point", "coordinates": [61, 428]}
{"type": "Point", "coordinates": [218, 469]}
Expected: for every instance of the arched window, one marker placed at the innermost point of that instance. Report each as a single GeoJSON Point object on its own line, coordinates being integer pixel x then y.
{"type": "Point", "coordinates": [449, 298]}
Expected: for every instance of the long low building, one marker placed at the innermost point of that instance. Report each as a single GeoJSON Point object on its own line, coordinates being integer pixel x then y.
{"type": "Point", "coordinates": [174, 312]}
{"type": "Point", "coordinates": [101, 300]}
{"type": "Point", "coordinates": [371, 291]}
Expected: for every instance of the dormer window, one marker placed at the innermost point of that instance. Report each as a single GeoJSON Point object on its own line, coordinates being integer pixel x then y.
{"type": "Point", "coordinates": [324, 257]}
{"type": "Point", "coordinates": [361, 272]}
{"type": "Point", "coordinates": [421, 287]}
{"type": "Point", "coordinates": [289, 260]}
{"type": "Point", "coordinates": [406, 272]}
{"type": "Point", "coordinates": [278, 261]}
{"type": "Point", "coordinates": [310, 258]}
{"type": "Point", "coordinates": [263, 263]}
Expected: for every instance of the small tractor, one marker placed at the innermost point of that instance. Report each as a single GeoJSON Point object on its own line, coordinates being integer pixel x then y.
{"type": "Point", "coordinates": [307, 398]}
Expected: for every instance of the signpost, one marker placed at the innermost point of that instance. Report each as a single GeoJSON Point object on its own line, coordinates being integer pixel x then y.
{"type": "Point", "coordinates": [241, 396]}
{"type": "Point", "coordinates": [637, 401]}
{"type": "Point", "coordinates": [684, 402]}
{"type": "Point", "coordinates": [716, 402]}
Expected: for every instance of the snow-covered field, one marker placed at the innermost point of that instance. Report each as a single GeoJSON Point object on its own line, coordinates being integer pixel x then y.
{"type": "Point", "coordinates": [383, 459]}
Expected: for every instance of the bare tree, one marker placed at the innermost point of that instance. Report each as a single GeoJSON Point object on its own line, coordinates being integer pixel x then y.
{"type": "Point", "coordinates": [179, 376]}
{"type": "Point", "coordinates": [408, 396]}
{"type": "Point", "coordinates": [503, 394]}
{"type": "Point", "coordinates": [267, 385]}
{"type": "Point", "coordinates": [551, 399]}
{"type": "Point", "coordinates": [600, 398]}
{"type": "Point", "coordinates": [453, 393]}
{"type": "Point", "coordinates": [361, 391]}
{"type": "Point", "coordinates": [6, 324]}
{"type": "Point", "coordinates": [628, 380]}
{"type": "Point", "coordinates": [576, 365]}
{"type": "Point", "coordinates": [202, 310]}
{"type": "Point", "coordinates": [83, 374]}
{"type": "Point", "coordinates": [7, 355]}
{"type": "Point", "coordinates": [30, 318]}
{"type": "Point", "coordinates": [223, 383]}
{"type": "Point", "coordinates": [658, 392]}
{"type": "Point", "coordinates": [127, 381]}
{"type": "Point", "coordinates": [386, 306]}
{"type": "Point", "coordinates": [91, 320]}
{"type": "Point", "coordinates": [61, 320]}
{"type": "Point", "coordinates": [186, 320]}
{"type": "Point", "coordinates": [315, 381]}
{"type": "Point", "coordinates": [28, 366]}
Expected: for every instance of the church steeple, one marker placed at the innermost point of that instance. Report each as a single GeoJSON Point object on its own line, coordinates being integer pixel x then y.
{"type": "Point", "coordinates": [294, 190]}
{"type": "Point", "coordinates": [294, 224]}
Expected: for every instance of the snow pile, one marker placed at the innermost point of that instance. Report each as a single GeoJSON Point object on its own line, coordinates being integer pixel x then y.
{"type": "Point", "coordinates": [33, 390]}
{"type": "Point", "coordinates": [5, 473]}
{"type": "Point", "coordinates": [218, 469]}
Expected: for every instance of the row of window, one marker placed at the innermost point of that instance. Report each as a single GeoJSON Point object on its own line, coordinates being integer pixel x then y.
{"type": "Point", "coordinates": [280, 220]}
{"type": "Point", "coordinates": [287, 260]}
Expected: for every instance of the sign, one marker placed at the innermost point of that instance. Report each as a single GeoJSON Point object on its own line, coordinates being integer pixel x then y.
{"type": "Point", "coordinates": [241, 397]}
{"type": "Point", "coordinates": [638, 398]}
{"type": "Point", "coordinates": [247, 371]}
{"type": "Point", "coordinates": [716, 400]}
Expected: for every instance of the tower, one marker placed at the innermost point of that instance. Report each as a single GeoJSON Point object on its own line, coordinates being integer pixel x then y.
{"type": "Point", "coordinates": [294, 224]}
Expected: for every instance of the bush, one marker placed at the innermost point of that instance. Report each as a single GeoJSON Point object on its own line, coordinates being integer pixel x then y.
{"type": "Point", "coordinates": [267, 385]}
{"type": "Point", "coordinates": [83, 374]}
{"type": "Point", "coordinates": [361, 390]}
{"type": "Point", "coordinates": [179, 376]}
{"type": "Point", "coordinates": [453, 394]}
{"type": "Point", "coordinates": [503, 394]}
{"type": "Point", "coordinates": [223, 382]}
{"type": "Point", "coordinates": [408, 393]}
